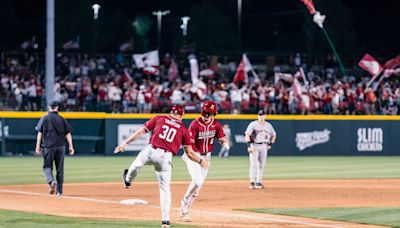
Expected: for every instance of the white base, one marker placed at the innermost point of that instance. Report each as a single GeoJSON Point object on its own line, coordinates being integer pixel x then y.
{"type": "Point", "coordinates": [134, 202]}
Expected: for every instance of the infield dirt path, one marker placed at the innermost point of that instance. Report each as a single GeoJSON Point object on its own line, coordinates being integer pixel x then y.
{"type": "Point", "coordinates": [215, 204]}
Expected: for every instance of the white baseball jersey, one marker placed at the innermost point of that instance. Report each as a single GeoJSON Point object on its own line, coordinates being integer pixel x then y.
{"type": "Point", "coordinates": [262, 133]}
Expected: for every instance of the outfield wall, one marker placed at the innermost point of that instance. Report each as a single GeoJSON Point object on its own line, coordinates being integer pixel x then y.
{"type": "Point", "coordinates": [99, 133]}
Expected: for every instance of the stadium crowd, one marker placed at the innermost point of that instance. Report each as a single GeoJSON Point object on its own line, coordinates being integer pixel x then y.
{"type": "Point", "coordinates": [114, 84]}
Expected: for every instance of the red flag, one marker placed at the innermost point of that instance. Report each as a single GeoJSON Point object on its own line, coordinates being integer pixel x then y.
{"type": "Point", "coordinates": [310, 5]}
{"type": "Point", "coordinates": [240, 75]}
{"type": "Point", "coordinates": [371, 65]}
{"type": "Point", "coordinates": [393, 63]}
{"type": "Point", "coordinates": [242, 70]}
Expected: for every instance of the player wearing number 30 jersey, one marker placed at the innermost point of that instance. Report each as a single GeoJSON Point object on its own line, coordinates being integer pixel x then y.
{"type": "Point", "coordinates": [203, 132]}
{"type": "Point", "coordinates": [168, 134]}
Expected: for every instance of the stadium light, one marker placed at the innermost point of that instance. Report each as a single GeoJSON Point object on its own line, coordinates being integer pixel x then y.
{"type": "Point", "coordinates": [96, 9]}
{"type": "Point", "coordinates": [184, 25]}
{"type": "Point", "coordinates": [159, 14]}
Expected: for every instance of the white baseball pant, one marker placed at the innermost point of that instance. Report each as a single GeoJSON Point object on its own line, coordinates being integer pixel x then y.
{"type": "Point", "coordinates": [161, 161]}
{"type": "Point", "coordinates": [257, 162]}
{"type": "Point", "coordinates": [198, 175]}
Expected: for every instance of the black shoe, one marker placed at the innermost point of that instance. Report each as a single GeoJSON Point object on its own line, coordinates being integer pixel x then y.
{"type": "Point", "coordinates": [126, 183]}
{"type": "Point", "coordinates": [252, 185]}
{"type": "Point", "coordinates": [165, 224]}
{"type": "Point", "coordinates": [259, 186]}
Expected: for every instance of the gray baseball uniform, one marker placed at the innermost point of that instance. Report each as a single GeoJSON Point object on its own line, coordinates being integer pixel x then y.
{"type": "Point", "coordinates": [262, 134]}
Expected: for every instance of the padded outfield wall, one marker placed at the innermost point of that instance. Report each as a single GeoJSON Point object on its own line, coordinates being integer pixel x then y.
{"type": "Point", "coordinates": [99, 133]}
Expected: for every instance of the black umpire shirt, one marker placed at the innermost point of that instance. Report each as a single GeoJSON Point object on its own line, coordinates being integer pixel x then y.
{"type": "Point", "coordinates": [54, 128]}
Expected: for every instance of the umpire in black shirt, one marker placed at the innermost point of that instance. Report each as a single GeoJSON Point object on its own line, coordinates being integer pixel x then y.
{"type": "Point", "coordinates": [53, 132]}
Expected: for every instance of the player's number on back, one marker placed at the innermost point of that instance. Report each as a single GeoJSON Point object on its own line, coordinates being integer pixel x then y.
{"type": "Point", "coordinates": [168, 134]}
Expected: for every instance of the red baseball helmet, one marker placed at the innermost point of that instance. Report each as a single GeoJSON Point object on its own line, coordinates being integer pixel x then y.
{"type": "Point", "coordinates": [209, 108]}
{"type": "Point", "coordinates": [177, 110]}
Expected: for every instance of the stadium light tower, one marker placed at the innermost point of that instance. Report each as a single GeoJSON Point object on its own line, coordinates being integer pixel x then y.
{"type": "Point", "coordinates": [159, 14]}
{"type": "Point", "coordinates": [96, 9]}
{"type": "Point", "coordinates": [239, 4]}
{"type": "Point", "coordinates": [50, 51]}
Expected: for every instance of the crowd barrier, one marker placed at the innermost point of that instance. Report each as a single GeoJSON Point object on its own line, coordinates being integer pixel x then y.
{"type": "Point", "coordinates": [319, 135]}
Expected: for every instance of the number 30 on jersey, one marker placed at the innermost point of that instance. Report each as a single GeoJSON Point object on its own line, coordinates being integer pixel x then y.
{"type": "Point", "coordinates": [168, 134]}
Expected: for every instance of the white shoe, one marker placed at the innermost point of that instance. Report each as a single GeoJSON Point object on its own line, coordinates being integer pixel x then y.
{"type": "Point", "coordinates": [184, 208]}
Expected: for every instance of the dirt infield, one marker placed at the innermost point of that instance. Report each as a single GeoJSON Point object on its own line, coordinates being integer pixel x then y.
{"type": "Point", "coordinates": [215, 204]}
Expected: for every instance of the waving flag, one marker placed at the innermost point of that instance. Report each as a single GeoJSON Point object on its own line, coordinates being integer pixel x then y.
{"type": "Point", "coordinates": [243, 69]}
{"type": "Point", "coordinates": [393, 63]}
{"type": "Point", "coordinates": [310, 5]}
{"type": "Point", "coordinates": [149, 62]}
{"type": "Point", "coordinates": [371, 65]}
{"type": "Point", "coordinates": [72, 44]}
{"type": "Point", "coordinates": [127, 46]}
{"type": "Point", "coordinates": [198, 86]}
{"type": "Point", "coordinates": [283, 76]}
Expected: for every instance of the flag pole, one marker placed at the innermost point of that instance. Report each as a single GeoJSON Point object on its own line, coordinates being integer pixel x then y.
{"type": "Point", "coordinates": [334, 51]}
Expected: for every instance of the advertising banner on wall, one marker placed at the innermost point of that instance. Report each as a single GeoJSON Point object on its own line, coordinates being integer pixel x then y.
{"type": "Point", "coordinates": [126, 130]}
{"type": "Point", "coordinates": [295, 137]}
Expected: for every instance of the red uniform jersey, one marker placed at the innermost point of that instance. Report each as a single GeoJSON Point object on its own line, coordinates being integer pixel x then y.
{"type": "Point", "coordinates": [203, 134]}
{"type": "Point", "coordinates": [167, 133]}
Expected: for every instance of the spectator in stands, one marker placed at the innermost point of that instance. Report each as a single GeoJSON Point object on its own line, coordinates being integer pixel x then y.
{"type": "Point", "coordinates": [236, 98]}
{"type": "Point", "coordinates": [82, 84]}
{"type": "Point", "coordinates": [114, 95]}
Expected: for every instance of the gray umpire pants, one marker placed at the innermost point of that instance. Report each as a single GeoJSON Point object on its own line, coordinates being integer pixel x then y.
{"type": "Point", "coordinates": [257, 162]}
{"type": "Point", "coordinates": [56, 155]}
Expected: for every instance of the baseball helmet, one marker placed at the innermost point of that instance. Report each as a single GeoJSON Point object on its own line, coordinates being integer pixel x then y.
{"type": "Point", "coordinates": [209, 108]}
{"type": "Point", "coordinates": [177, 110]}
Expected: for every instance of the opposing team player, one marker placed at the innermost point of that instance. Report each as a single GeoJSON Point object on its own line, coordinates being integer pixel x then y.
{"type": "Point", "coordinates": [260, 135]}
{"type": "Point", "coordinates": [203, 131]}
{"type": "Point", "coordinates": [168, 134]}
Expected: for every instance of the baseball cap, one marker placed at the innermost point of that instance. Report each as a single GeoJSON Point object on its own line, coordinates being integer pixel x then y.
{"type": "Point", "coordinates": [261, 112]}
{"type": "Point", "coordinates": [54, 104]}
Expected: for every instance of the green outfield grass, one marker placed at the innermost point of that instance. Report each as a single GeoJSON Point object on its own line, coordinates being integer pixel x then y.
{"type": "Point", "coordinates": [23, 219]}
{"type": "Point", "coordinates": [28, 170]}
{"type": "Point", "coordinates": [375, 216]}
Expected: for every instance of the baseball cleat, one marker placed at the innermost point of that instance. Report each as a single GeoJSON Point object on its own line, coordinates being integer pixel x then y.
{"type": "Point", "coordinates": [186, 218]}
{"type": "Point", "coordinates": [184, 208]}
{"type": "Point", "coordinates": [126, 183]}
{"type": "Point", "coordinates": [59, 194]}
{"type": "Point", "coordinates": [252, 185]}
{"type": "Point", "coordinates": [259, 186]}
{"type": "Point", "coordinates": [52, 187]}
{"type": "Point", "coordinates": [165, 224]}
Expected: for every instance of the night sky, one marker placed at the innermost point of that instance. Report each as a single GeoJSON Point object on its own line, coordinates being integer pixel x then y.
{"type": "Point", "coordinates": [375, 22]}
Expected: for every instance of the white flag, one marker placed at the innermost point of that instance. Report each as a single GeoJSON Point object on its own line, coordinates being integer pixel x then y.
{"type": "Point", "coordinates": [149, 62]}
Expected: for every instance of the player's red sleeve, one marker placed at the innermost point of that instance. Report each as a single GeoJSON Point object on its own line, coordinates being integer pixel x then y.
{"type": "Point", "coordinates": [220, 132]}
{"type": "Point", "coordinates": [186, 141]}
{"type": "Point", "coordinates": [150, 124]}
{"type": "Point", "coordinates": [192, 131]}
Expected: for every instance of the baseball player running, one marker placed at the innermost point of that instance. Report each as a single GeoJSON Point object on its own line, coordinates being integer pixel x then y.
{"type": "Point", "coordinates": [203, 132]}
{"type": "Point", "coordinates": [260, 135]}
{"type": "Point", "coordinates": [168, 134]}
